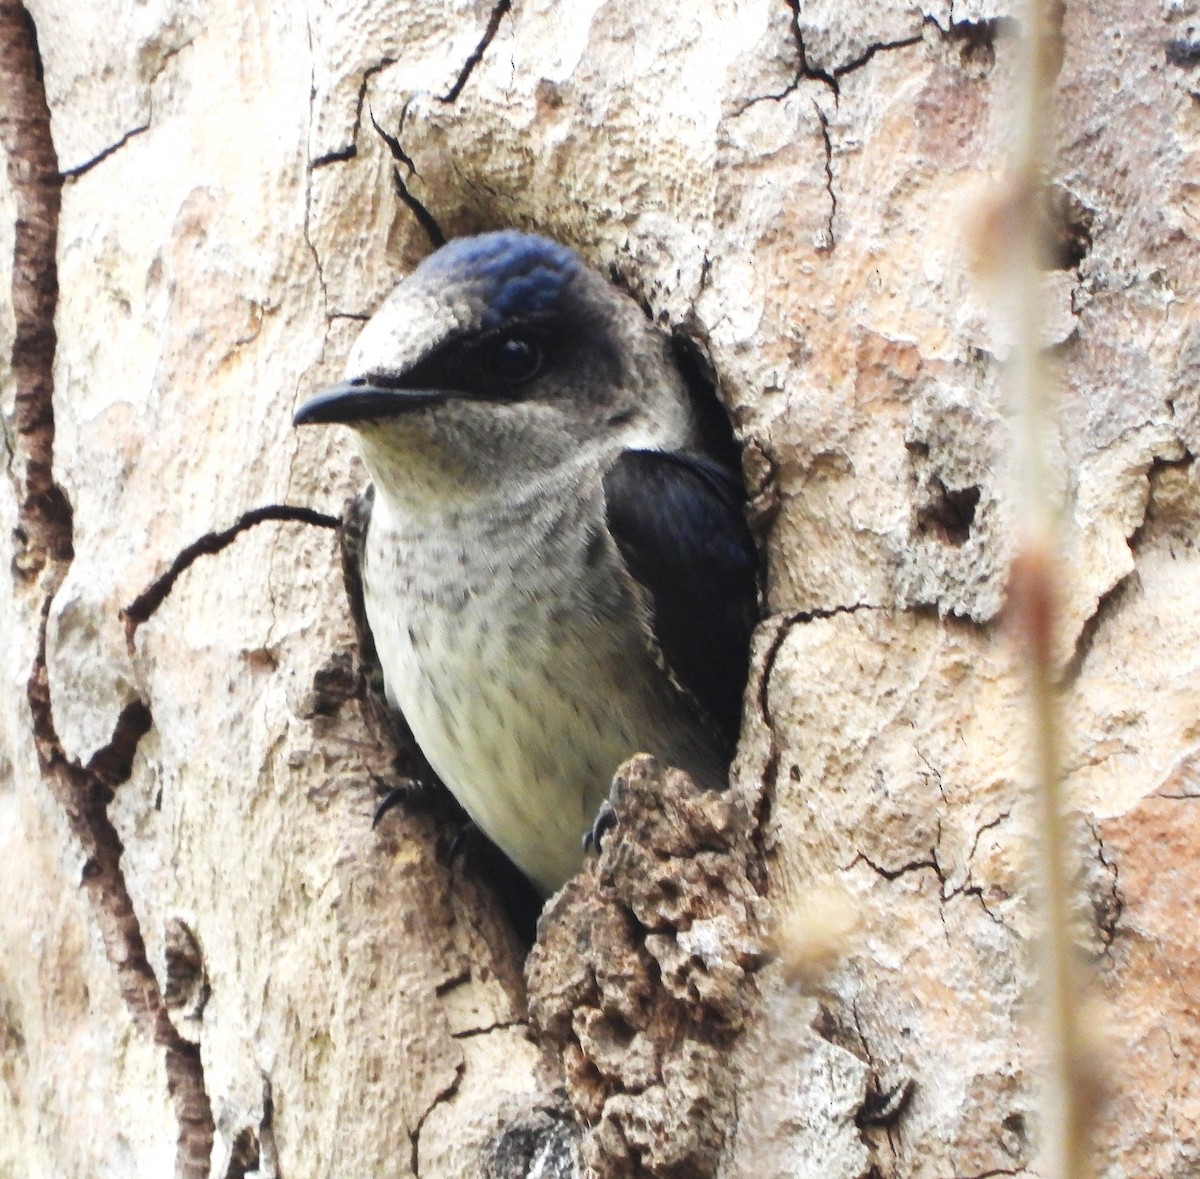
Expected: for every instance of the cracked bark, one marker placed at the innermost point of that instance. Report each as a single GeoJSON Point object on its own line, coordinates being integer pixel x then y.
{"type": "Point", "coordinates": [351, 149]}
{"type": "Point", "coordinates": [82, 169]}
{"type": "Point", "coordinates": [828, 173]}
{"type": "Point", "coordinates": [142, 608]}
{"type": "Point", "coordinates": [356, 988]}
{"type": "Point", "coordinates": [497, 15]}
{"type": "Point", "coordinates": [806, 70]}
{"type": "Point", "coordinates": [426, 220]}
{"type": "Point", "coordinates": [868, 54]}
{"type": "Point", "coordinates": [83, 792]}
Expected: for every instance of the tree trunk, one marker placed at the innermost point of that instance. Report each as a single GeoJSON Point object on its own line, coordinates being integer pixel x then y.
{"type": "Point", "coordinates": [212, 964]}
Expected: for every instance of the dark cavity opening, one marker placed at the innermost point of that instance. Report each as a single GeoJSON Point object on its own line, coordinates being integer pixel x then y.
{"type": "Point", "coordinates": [949, 515]}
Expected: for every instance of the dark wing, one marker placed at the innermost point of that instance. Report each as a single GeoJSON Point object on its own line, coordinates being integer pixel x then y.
{"type": "Point", "coordinates": [679, 523]}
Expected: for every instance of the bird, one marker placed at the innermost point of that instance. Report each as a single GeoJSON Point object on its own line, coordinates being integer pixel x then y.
{"type": "Point", "coordinates": [557, 571]}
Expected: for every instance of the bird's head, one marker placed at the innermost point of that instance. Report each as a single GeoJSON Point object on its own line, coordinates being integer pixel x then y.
{"type": "Point", "coordinates": [500, 357]}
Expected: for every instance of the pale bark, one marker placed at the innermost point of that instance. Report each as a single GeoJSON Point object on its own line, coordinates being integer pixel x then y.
{"type": "Point", "coordinates": [210, 964]}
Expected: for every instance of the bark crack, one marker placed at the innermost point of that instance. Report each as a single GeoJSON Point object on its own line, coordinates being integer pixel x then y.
{"type": "Point", "coordinates": [889, 874]}
{"type": "Point", "coordinates": [770, 772]}
{"type": "Point", "coordinates": [936, 774]}
{"type": "Point", "coordinates": [498, 1026]}
{"type": "Point", "coordinates": [497, 15]}
{"type": "Point", "coordinates": [100, 157]}
{"type": "Point", "coordinates": [312, 247]}
{"type": "Point", "coordinates": [142, 608]}
{"type": "Point", "coordinates": [1106, 605]}
{"type": "Point", "coordinates": [83, 793]}
{"type": "Point", "coordinates": [806, 69]}
{"type": "Point", "coordinates": [968, 888]}
{"type": "Point", "coordinates": [1177, 795]}
{"type": "Point", "coordinates": [833, 203]}
{"type": "Point", "coordinates": [341, 154]}
{"type": "Point", "coordinates": [803, 71]}
{"type": "Point", "coordinates": [307, 192]}
{"type": "Point", "coordinates": [867, 54]}
{"type": "Point", "coordinates": [414, 1135]}
{"type": "Point", "coordinates": [828, 612]}
{"type": "Point", "coordinates": [426, 220]}
{"type": "Point", "coordinates": [424, 217]}
{"type": "Point", "coordinates": [308, 186]}
{"type": "Point", "coordinates": [1108, 913]}
{"type": "Point", "coordinates": [990, 825]}
{"type": "Point", "coordinates": [43, 553]}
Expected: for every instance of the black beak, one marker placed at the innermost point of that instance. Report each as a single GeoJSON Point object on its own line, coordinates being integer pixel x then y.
{"type": "Point", "coordinates": [357, 400]}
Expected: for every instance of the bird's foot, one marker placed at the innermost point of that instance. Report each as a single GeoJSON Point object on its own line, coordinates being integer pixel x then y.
{"type": "Point", "coordinates": [605, 821]}
{"type": "Point", "coordinates": [397, 795]}
{"type": "Point", "coordinates": [463, 838]}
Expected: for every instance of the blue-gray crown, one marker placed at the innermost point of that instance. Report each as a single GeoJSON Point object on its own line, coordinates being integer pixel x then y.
{"type": "Point", "coordinates": [511, 273]}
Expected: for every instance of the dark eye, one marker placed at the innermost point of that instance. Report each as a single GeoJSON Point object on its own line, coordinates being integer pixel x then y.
{"type": "Point", "coordinates": [515, 359]}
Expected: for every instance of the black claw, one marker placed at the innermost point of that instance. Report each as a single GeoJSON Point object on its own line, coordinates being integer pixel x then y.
{"type": "Point", "coordinates": [392, 799]}
{"type": "Point", "coordinates": [461, 840]}
{"type": "Point", "coordinates": [605, 821]}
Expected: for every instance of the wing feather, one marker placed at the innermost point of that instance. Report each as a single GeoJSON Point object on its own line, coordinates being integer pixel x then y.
{"type": "Point", "coordinates": [679, 524]}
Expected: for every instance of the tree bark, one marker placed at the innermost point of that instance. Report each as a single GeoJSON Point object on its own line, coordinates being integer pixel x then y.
{"type": "Point", "coordinates": [211, 964]}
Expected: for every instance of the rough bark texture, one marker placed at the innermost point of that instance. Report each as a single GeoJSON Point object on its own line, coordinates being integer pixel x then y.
{"type": "Point", "coordinates": [210, 964]}
{"type": "Point", "coordinates": [644, 974]}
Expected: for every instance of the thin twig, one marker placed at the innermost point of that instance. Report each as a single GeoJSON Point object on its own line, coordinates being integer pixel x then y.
{"type": "Point", "coordinates": [1063, 1131]}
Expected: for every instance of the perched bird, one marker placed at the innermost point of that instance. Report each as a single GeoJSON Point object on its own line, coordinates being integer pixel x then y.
{"type": "Point", "coordinates": [557, 570]}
